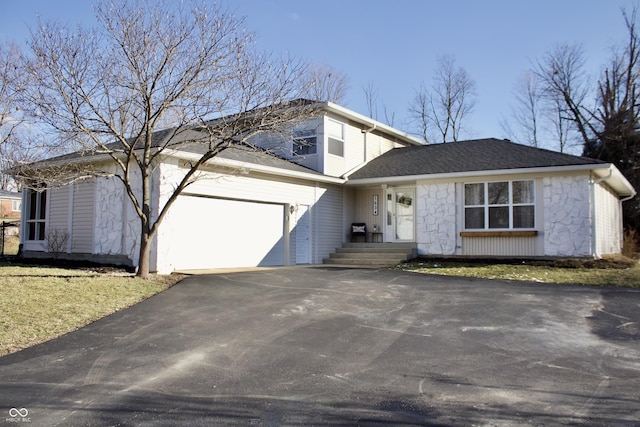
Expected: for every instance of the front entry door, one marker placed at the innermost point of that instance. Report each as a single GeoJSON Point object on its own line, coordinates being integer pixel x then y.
{"type": "Point", "coordinates": [303, 247]}
{"type": "Point", "coordinates": [401, 214]}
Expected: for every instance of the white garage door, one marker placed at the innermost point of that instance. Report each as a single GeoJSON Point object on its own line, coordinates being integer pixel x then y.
{"type": "Point", "coordinates": [218, 233]}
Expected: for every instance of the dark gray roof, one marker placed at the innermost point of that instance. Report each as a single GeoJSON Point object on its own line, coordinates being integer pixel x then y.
{"type": "Point", "coordinates": [4, 194]}
{"type": "Point", "coordinates": [464, 156]}
{"type": "Point", "coordinates": [258, 156]}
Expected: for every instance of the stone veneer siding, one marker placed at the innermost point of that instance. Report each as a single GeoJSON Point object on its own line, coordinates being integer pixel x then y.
{"type": "Point", "coordinates": [567, 216]}
{"type": "Point", "coordinates": [436, 219]}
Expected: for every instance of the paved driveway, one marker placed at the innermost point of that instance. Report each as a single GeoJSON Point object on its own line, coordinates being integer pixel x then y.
{"type": "Point", "coordinates": [330, 346]}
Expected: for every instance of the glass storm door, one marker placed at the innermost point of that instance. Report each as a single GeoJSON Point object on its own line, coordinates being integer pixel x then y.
{"type": "Point", "coordinates": [401, 214]}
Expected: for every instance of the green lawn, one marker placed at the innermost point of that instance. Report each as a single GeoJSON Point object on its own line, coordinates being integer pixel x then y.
{"type": "Point", "coordinates": [38, 304]}
{"type": "Point", "coordinates": [615, 272]}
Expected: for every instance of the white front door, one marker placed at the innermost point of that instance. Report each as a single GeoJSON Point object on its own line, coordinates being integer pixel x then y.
{"type": "Point", "coordinates": [303, 246]}
{"type": "Point", "coordinates": [401, 214]}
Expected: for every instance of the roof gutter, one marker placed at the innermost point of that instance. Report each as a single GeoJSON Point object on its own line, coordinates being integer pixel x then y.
{"type": "Point", "coordinates": [622, 185]}
{"type": "Point", "coordinates": [269, 170]}
{"type": "Point", "coordinates": [364, 120]}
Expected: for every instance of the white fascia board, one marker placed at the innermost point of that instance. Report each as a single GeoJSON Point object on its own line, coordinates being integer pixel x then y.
{"type": "Point", "coordinates": [369, 123]}
{"type": "Point", "coordinates": [269, 170]}
{"type": "Point", "coordinates": [618, 181]}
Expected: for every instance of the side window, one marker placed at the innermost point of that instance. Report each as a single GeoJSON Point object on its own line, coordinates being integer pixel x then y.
{"type": "Point", "coordinates": [305, 142]}
{"type": "Point", "coordinates": [36, 214]}
{"type": "Point", "coordinates": [16, 205]}
{"type": "Point", "coordinates": [335, 133]}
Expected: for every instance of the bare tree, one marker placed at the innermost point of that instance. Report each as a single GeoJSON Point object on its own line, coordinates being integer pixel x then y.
{"type": "Point", "coordinates": [420, 112]}
{"type": "Point", "coordinates": [565, 83]}
{"type": "Point", "coordinates": [526, 111]}
{"type": "Point", "coordinates": [538, 116]}
{"type": "Point", "coordinates": [447, 103]}
{"type": "Point", "coordinates": [10, 116]}
{"type": "Point", "coordinates": [187, 68]}
{"type": "Point", "coordinates": [323, 83]}
{"type": "Point", "coordinates": [371, 99]}
{"type": "Point", "coordinates": [606, 115]}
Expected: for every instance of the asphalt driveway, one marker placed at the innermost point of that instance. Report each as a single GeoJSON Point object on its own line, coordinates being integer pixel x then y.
{"type": "Point", "coordinates": [331, 346]}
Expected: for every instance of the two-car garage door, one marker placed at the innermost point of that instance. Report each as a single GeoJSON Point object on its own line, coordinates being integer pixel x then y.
{"type": "Point", "coordinates": [221, 233]}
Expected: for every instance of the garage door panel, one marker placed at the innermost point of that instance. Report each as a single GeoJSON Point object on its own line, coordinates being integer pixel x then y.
{"type": "Point", "coordinates": [219, 233]}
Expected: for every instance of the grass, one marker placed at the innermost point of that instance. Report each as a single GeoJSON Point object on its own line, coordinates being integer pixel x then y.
{"type": "Point", "coordinates": [38, 303]}
{"type": "Point", "coordinates": [619, 271]}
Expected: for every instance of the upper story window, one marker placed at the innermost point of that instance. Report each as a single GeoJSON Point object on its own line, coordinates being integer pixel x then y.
{"type": "Point", "coordinates": [335, 133]}
{"type": "Point", "coordinates": [496, 205]}
{"type": "Point", "coordinates": [36, 214]}
{"type": "Point", "coordinates": [305, 141]}
{"type": "Point", "coordinates": [16, 205]}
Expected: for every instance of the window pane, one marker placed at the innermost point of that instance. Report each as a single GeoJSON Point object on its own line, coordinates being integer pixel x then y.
{"type": "Point", "coordinates": [522, 192]}
{"type": "Point", "coordinates": [336, 147]}
{"type": "Point", "coordinates": [33, 204]}
{"type": "Point", "coordinates": [32, 231]}
{"type": "Point", "coordinates": [498, 193]}
{"type": "Point", "coordinates": [43, 204]}
{"type": "Point", "coordinates": [304, 145]}
{"type": "Point", "coordinates": [40, 235]}
{"type": "Point", "coordinates": [334, 129]}
{"type": "Point", "coordinates": [474, 194]}
{"type": "Point", "coordinates": [523, 217]}
{"type": "Point", "coordinates": [474, 218]}
{"type": "Point", "coordinates": [499, 217]}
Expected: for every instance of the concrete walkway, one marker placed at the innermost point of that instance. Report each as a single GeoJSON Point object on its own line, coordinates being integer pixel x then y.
{"type": "Point", "coordinates": [341, 346]}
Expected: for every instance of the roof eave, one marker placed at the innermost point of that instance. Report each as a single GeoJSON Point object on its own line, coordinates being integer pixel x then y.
{"type": "Point", "coordinates": [369, 123]}
{"type": "Point", "coordinates": [269, 170]}
{"type": "Point", "coordinates": [617, 181]}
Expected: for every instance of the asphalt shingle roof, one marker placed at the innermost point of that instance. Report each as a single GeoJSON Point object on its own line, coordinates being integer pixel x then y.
{"type": "Point", "coordinates": [464, 156]}
{"type": "Point", "coordinates": [4, 194]}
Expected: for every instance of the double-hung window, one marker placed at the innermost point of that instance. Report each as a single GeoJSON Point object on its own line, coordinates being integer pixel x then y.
{"type": "Point", "coordinates": [335, 132]}
{"type": "Point", "coordinates": [36, 214]}
{"type": "Point", "coordinates": [499, 205]}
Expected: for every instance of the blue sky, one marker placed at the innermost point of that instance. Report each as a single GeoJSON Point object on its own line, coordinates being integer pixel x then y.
{"type": "Point", "coordinates": [394, 44]}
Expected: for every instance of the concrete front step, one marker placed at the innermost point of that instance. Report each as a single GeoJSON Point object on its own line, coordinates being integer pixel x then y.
{"type": "Point", "coordinates": [380, 245]}
{"type": "Point", "coordinates": [373, 251]}
{"type": "Point", "coordinates": [357, 261]}
{"type": "Point", "coordinates": [381, 254]}
{"type": "Point", "coordinates": [371, 255]}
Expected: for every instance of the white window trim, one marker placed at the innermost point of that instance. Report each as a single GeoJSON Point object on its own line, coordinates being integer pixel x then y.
{"type": "Point", "coordinates": [36, 220]}
{"type": "Point", "coordinates": [339, 138]}
{"type": "Point", "coordinates": [510, 205]}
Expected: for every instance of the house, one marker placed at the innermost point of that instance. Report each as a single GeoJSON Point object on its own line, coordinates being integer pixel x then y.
{"type": "Point", "coordinates": [10, 205]}
{"type": "Point", "coordinates": [294, 201]}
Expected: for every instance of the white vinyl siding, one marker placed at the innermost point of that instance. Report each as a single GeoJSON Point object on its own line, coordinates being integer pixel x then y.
{"type": "Point", "coordinates": [608, 224]}
{"type": "Point", "coordinates": [500, 246]}
{"type": "Point", "coordinates": [83, 216]}
{"type": "Point", "coordinates": [59, 209]}
{"type": "Point", "coordinates": [328, 218]}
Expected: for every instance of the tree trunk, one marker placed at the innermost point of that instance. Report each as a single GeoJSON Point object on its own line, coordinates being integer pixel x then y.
{"type": "Point", "coordinates": [145, 251]}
